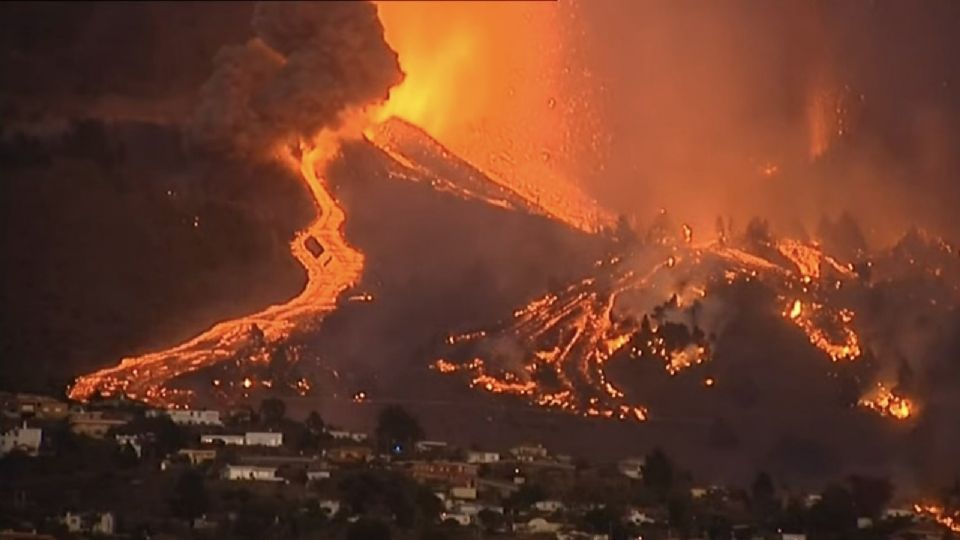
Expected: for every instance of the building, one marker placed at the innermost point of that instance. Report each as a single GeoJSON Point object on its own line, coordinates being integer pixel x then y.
{"type": "Point", "coordinates": [133, 441]}
{"type": "Point", "coordinates": [189, 417]}
{"type": "Point", "coordinates": [529, 452]}
{"type": "Point", "coordinates": [349, 454]}
{"type": "Point", "coordinates": [475, 456]}
{"type": "Point", "coordinates": [250, 472]}
{"type": "Point", "coordinates": [24, 439]}
{"type": "Point", "coordinates": [445, 472]}
{"type": "Point", "coordinates": [342, 435]}
{"type": "Point", "coordinates": [456, 517]}
{"type": "Point", "coordinates": [227, 440]}
{"type": "Point", "coordinates": [631, 467]}
{"type": "Point", "coordinates": [549, 506]}
{"type": "Point", "coordinates": [23, 406]}
{"type": "Point", "coordinates": [90, 522]}
{"type": "Point", "coordinates": [329, 506]}
{"type": "Point", "coordinates": [198, 456]}
{"type": "Point", "coordinates": [97, 424]}
{"type": "Point", "coordinates": [265, 438]}
{"type": "Point", "coordinates": [430, 446]}
{"type": "Point", "coordinates": [468, 493]}
{"type": "Point", "coordinates": [537, 525]}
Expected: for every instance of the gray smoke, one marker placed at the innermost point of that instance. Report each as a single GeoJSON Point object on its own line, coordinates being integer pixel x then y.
{"type": "Point", "coordinates": [307, 63]}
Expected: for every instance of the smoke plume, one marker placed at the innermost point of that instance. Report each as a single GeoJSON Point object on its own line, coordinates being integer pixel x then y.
{"type": "Point", "coordinates": [306, 65]}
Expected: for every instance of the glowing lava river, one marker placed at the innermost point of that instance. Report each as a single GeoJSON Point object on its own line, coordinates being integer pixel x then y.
{"type": "Point", "coordinates": [332, 265]}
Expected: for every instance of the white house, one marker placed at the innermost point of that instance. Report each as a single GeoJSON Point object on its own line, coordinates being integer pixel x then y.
{"type": "Point", "coordinates": [263, 438]}
{"type": "Point", "coordinates": [631, 468]}
{"type": "Point", "coordinates": [318, 474]}
{"type": "Point", "coordinates": [788, 536]}
{"type": "Point", "coordinates": [460, 519]}
{"type": "Point", "coordinates": [24, 439]}
{"type": "Point", "coordinates": [549, 506]}
{"type": "Point", "coordinates": [94, 523]}
{"type": "Point", "coordinates": [463, 492]}
{"type": "Point", "coordinates": [329, 506]}
{"type": "Point", "coordinates": [528, 452]}
{"type": "Point", "coordinates": [637, 516]}
{"type": "Point", "coordinates": [193, 417]}
{"type": "Point", "coordinates": [341, 435]}
{"type": "Point", "coordinates": [538, 525]}
{"type": "Point", "coordinates": [474, 456]}
{"type": "Point", "coordinates": [234, 440]}
{"type": "Point", "coordinates": [430, 446]}
{"type": "Point", "coordinates": [250, 472]}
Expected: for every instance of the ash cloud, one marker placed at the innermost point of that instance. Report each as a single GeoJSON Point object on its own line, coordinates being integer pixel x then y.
{"type": "Point", "coordinates": [307, 63]}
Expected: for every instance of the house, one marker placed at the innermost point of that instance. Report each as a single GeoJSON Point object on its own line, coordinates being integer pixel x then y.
{"type": "Point", "coordinates": [580, 535]}
{"type": "Point", "coordinates": [638, 516]}
{"type": "Point", "coordinates": [198, 456]}
{"type": "Point", "coordinates": [502, 488]}
{"type": "Point", "coordinates": [25, 439]}
{"type": "Point", "coordinates": [263, 438]}
{"type": "Point", "coordinates": [549, 506]}
{"type": "Point", "coordinates": [341, 435]}
{"type": "Point", "coordinates": [250, 472]}
{"type": "Point", "coordinates": [460, 519]}
{"type": "Point", "coordinates": [445, 472]}
{"type": "Point", "coordinates": [15, 535]}
{"type": "Point", "coordinates": [893, 513]}
{"type": "Point", "coordinates": [538, 525]}
{"type": "Point", "coordinates": [319, 471]}
{"type": "Point", "coordinates": [22, 406]}
{"type": "Point", "coordinates": [631, 468]}
{"type": "Point", "coordinates": [93, 522]}
{"type": "Point", "coordinates": [698, 492]}
{"type": "Point", "coordinates": [96, 424]}
{"type": "Point", "coordinates": [190, 417]}
{"type": "Point", "coordinates": [227, 440]}
{"type": "Point", "coordinates": [463, 492]}
{"type": "Point", "coordinates": [349, 454]}
{"type": "Point", "coordinates": [528, 452]}
{"type": "Point", "coordinates": [430, 446]}
{"type": "Point", "coordinates": [329, 506]}
{"type": "Point", "coordinates": [133, 441]}
{"type": "Point", "coordinates": [792, 536]}
{"type": "Point", "coordinates": [475, 456]}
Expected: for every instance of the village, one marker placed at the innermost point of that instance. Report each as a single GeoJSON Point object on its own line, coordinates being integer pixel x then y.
{"type": "Point", "coordinates": [116, 468]}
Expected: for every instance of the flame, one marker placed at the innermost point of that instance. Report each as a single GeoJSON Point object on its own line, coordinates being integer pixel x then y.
{"type": "Point", "coordinates": [950, 520]}
{"type": "Point", "coordinates": [338, 267]}
{"type": "Point", "coordinates": [887, 403]}
{"type": "Point", "coordinates": [490, 81]}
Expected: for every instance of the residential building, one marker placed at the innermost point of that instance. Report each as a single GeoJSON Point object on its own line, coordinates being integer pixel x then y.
{"type": "Point", "coordinates": [133, 441]}
{"type": "Point", "coordinates": [250, 472]}
{"type": "Point", "coordinates": [228, 440]}
{"type": "Point", "coordinates": [97, 424]}
{"type": "Point", "coordinates": [430, 446]}
{"type": "Point", "coordinates": [349, 454]}
{"type": "Point", "coordinates": [631, 467]}
{"type": "Point", "coordinates": [529, 452]}
{"type": "Point", "coordinates": [257, 438]}
{"type": "Point", "coordinates": [538, 525]}
{"type": "Point", "coordinates": [464, 492]}
{"type": "Point", "coordinates": [23, 438]}
{"type": "Point", "coordinates": [330, 507]}
{"type": "Point", "coordinates": [191, 417]}
{"type": "Point", "coordinates": [460, 519]}
{"type": "Point", "coordinates": [22, 406]}
{"type": "Point", "coordinates": [549, 506]}
{"type": "Point", "coordinates": [475, 456]}
{"type": "Point", "coordinates": [342, 435]}
{"type": "Point", "coordinates": [90, 522]}
{"type": "Point", "coordinates": [446, 472]}
{"type": "Point", "coordinates": [198, 456]}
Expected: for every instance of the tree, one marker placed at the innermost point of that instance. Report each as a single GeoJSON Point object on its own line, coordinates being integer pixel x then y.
{"type": "Point", "coordinates": [272, 410]}
{"type": "Point", "coordinates": [190, 496]}
{"type": "Point", "coordinates": [315, 423]}
{"type": "Point", "coordinates": [763, 497]}
{"type": "Point", "coordinates": [368, 529]}
{"type": "Point", "coordinates": [397, 430]}
{"type": "Point", "coordinates": [834, 513]}
{"type": "Point", "coordinates": [870, 495]}
{"type": "Point", "coordinates": [605, 520]}
{"type": "Point", "coordinates": [491, 521]}
{"type": "Point", "coordinates": [658, 473]}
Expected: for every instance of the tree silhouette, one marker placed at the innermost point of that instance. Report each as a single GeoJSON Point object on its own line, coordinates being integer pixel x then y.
{"type": "Point", "coordinates": [658, 473]}
{"type": "Point", "coordinates": [397, 430]}
{"type": "Point", "coordinates": [272, 410]}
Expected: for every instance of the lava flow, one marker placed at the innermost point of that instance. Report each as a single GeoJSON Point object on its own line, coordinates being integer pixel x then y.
{"type": "Point", "coordinates": [332, 266]}
{"type": "Point", "coordinates": [649, 305]}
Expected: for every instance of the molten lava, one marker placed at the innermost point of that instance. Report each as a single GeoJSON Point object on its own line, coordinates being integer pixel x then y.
{"type": "Point", "coordinates": [329, 272]}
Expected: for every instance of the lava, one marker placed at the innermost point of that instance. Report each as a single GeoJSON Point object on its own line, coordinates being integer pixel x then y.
{"type": "Point", "coordinates": [888, 403]}
{"type": "Point", "coordinates": [572, 334]}
{"type": "Point", "coordinates": [329, 273]}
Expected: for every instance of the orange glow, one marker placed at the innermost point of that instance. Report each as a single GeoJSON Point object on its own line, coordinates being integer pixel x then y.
{"type": "Point", "coordinates": [337, 268]}
{"type": "Point", "coordinates": [489, 81]}
{"type": "Point", "coordinates": [886, 403]}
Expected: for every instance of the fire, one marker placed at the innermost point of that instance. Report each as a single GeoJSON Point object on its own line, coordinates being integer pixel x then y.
{"type": "Point", "coordinates": [337, 268]}
{"type": "Point", "coordinates": [887, 403]}
{"type": "Point", "coordinates": [796, 310]}
{"type": "Point", "coordinates": [950, 520]}
{"type": "Point", "coordinates": [490, 81]}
